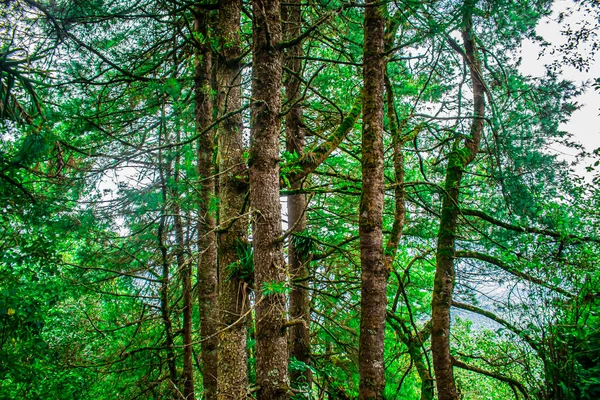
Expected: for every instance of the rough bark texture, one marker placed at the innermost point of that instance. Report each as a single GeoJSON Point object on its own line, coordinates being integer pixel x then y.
{"type": "Point", "coordinates": [374, 273]}
{"type": "Point", "coordinates": [444, 286]}
{"type": "Point", "coordinates": [296, 204]}
{"type": "Point", "coordinates": [233, 190]}
{"type": "Point", "coordinates": [459, 158]}
{"type": "Point", "coordinates": [207, 244]}
{"type": "Point", "coordinates": [269, 265]}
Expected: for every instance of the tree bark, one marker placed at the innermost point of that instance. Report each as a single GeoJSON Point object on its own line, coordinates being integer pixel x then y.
{"type": "Point", "coordinates": [296, 204]}
{"type": "Point", "coordinates": [269, 265]}
{"type": "Point", "coordinates": [374, 273]}
{"type": "Point", "coordinates": [207, 244]}
{"type": "Point", "coordinates": [458, 159]}
{"type": "Point", "coordinates": [233, 192]}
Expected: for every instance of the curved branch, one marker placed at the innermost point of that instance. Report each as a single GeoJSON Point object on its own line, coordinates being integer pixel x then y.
{"type": "Point", "coordinates": [493, 260]}
{"type": "Point", "coordinates": [502, 378]}
{"type": "Point", "coordinates": [311, 160]}
{"type": "Point", "coordinates": [526, 229]}
{"type": "Point", "coordinates": [513, 328]}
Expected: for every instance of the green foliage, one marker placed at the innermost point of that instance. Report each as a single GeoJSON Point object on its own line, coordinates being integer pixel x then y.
{"type": "Point", "coordinates": [32, 149]}
{"type": "Point", "coordinates": [576, 357]}
{"type": "Point", "coordinates": [303, 244]}
{"type": "Point", "coordinates": [289, 165]}
{"type": "Point", "coordinates": [274, 287]}
{"type": "Point", "coordinates": [243, 268]}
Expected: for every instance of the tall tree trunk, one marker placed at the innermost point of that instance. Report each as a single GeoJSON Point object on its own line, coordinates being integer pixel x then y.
{"type": "Point", "coordinates": [164, 287]}
{"type": "Point", "coordinates": [458, 159]}
{"type": "Point", "coordinates": [233, 191]}
{"type": "Point", "coordinates": [269, 265]}
{"type": "Point", "coordinates": [296, 204]}
{"type": "Point", "coordinates": [164, 302]}
{"type": "Point", "coordinates": [207, 243]}
{"type": "Point", "coordinates": [391, 246]}
{"type": "Point", "coordinates": [185, 270]}
{"type": "Point", "coordinates": [374, 272]}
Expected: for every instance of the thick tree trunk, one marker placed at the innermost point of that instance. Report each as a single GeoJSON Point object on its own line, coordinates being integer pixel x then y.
{"type": "Point", "coordinates": [443, 286]}
{"type": "Point", "coordinates": [207, 244]}
{"type": "Point", "coordinates": [233, 190]}
{"type": "Point", "coordinates": [269, 266]}
{"type": "Point", "coordinates": [296, 204]}
{"type": "Point", "coordinates": [374, 273]}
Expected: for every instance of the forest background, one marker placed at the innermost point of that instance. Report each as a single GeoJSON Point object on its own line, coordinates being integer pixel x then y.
{"type": "Point", "coordinates": [307, 199]}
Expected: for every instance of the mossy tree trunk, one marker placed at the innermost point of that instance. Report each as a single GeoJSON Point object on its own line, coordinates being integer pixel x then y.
{"type": "Point", "coordinates": [164, 169]}
{"type": "Point", "coordinates": [460, 157]}
{"type": "Point", "coordinates": [233, 192]}
{"type": "Point", "coordinates": [374, 272]}
{"type": "Point", "coordinates": [297, 203]}
{"type": "Point", "coordinates": [207, 244]}
{"type": "Point", "coordinates": [269, 266]}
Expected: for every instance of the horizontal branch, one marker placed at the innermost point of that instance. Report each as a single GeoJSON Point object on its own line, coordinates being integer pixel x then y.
{"type": "Point", "coordinates": [527, 229]}
{"type": "Point", "coordinates": [502, 378]}
{"type": "Point", "coordinates": [311, 160]}
{"type": "Point", "coordinates": [490, 315]}
{"type": "Point", "coordinates": [495, 261]}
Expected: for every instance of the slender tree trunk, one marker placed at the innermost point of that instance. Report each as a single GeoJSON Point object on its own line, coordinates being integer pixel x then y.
{"type": "Point", "coordinates": [413, 343]}
{"type": "Point", "coordinates": [416, 350]}
{"type": "Point", "coordinates": [296, 204]}
{"type": "Point", "coordinates": [233, 192]}
{"type": "Point", "coordinates": [185, 271]}
{"type": "Point", "coordinates": [391, 246]}
{"type": "Point", "coordinates": [269, 265]}
{"type": "Point", "coordinates": [184, 268]}
{"type": "Point", "coordinates": [417, 354]}
{"type": "Point", "coordinates": [374, 272]}
{"type": "Point", "coordinates": [443, 287]}
{"type": "Point", "coordinates": [164, 301]}
{"type": "Point", "coordinates": [207, 244]}
{"type": "Point", "coordinates": [164, 287]}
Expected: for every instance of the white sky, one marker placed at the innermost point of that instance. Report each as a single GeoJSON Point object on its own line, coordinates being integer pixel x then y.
{"type": "Point", "coordinates": [585, 122]}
